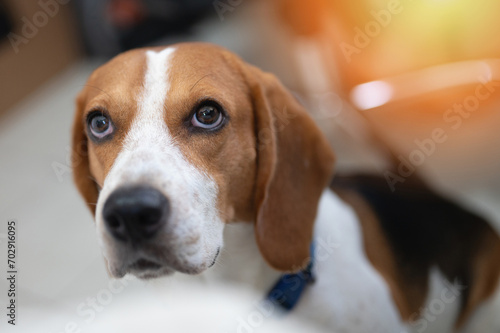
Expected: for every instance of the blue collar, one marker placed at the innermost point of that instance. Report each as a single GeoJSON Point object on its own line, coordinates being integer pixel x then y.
{"type": "Point", "coordinates": [289, 288]}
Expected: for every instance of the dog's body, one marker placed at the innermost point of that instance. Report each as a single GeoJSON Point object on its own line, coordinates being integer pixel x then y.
{"type": "Point", "coordinates": [415, 277]}
{"type": "Point", "coordinates": [348, 294]}
{"type": "Point", "coordinates": [196, 159]}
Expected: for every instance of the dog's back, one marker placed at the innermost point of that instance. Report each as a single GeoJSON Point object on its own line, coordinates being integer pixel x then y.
{"type": "Point", "coordinates": [424, 231]}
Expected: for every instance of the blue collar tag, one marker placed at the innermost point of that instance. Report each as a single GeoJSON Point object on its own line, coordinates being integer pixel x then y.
{"type": "Point", "coordinates": [289, 288]}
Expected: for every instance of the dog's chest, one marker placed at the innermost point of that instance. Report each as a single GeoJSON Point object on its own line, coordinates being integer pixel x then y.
{"type": "Point", "coordinates": [349, 295]}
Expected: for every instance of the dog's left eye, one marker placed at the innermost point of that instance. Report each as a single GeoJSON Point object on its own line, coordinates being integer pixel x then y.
{"type": "Point", "coordinates": [100, 125]}
{"type": "Point", "coordinates": [207, 116]}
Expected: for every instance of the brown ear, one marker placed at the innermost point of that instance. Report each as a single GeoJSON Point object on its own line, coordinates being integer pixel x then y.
{"type": "Point", "coordinates": [295, 164]}
{"type": "Point", "coordinates": [80, 159]}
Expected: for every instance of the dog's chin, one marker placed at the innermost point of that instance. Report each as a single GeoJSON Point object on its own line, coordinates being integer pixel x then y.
{"type": "Point", "coordinates": [147, 264]}
{"type": "Point", "coordinates": [152, 274]}
{"type": "Point", "coordinates": [146, 269]}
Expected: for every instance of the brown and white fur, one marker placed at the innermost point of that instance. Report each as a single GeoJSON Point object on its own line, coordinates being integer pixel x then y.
{"type": "Point", "coordinates": [251, 196]}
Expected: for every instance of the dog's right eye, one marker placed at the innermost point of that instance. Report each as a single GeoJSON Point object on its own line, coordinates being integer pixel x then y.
{"type": "Point", "coordinates": [100, 125]}
{"type": "Point", "coordinates": [207, 117]}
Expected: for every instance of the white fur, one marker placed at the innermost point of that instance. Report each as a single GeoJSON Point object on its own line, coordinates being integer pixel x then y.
{"type": "Point", "coordinates": [240, 260]}
{"type": "Point", "coordinates": [191, 238]}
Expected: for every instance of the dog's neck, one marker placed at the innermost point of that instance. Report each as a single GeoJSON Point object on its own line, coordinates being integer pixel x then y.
{"type": "Point", "coordinates": [240, 260]}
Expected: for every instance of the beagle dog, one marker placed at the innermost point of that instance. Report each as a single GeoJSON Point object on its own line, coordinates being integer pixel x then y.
{"type": "Point", "coordinates": [193, 161]}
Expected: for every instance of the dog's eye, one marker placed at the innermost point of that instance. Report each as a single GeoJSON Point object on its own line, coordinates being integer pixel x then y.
{"type": "Point", "coordinates": [100, 125]}
{"type": "Point", "coordinates": [207, 116]}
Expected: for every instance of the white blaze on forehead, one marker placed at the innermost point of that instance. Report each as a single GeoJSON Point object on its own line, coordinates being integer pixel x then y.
{"type": "Point", "coordinates": [152, 101]}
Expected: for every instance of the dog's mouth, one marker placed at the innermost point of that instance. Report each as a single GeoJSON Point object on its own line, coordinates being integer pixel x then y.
{"type": "Point", "coordinates": [144, 265]}
{"type": "Point", "coordinates": [148, 269]}
{"type": "Point", "coordinates": [153, 261]}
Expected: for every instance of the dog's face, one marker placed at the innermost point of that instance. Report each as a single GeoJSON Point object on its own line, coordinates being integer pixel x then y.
{"type": "Point", "coordinates": [170, 144]}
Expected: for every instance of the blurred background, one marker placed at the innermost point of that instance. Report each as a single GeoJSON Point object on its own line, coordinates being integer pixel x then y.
{"type": "Point", "coordinates": [399, 87]}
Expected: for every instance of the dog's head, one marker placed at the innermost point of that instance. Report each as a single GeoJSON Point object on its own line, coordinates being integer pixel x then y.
{"type": "Point", "coordinates": [170, 144]}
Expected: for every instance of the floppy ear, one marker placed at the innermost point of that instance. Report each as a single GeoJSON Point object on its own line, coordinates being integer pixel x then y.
{"type": "Point", "coordinates": [80, 158]}
{"type": "Point", "coordinates": [295, 164]}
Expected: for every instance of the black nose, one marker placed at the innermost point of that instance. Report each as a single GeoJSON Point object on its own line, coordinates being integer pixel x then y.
{"type": "Point", "coordinates": [135, 213]}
